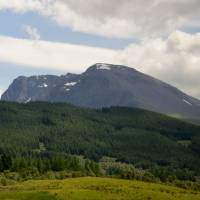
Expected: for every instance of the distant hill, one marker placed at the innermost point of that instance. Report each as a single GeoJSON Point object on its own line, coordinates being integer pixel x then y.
{"type": "Point", "coordinates": [105, 85]}
{"type": "Point", "coordinates": [130, 135]}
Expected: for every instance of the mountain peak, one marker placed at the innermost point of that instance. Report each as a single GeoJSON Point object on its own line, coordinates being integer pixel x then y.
{"type": "Point", "coordinates": [103, 66]}
{"type": "Point", "coordinates": [108, 67]}
{"type": "Point", "coordinates": [100, 66]}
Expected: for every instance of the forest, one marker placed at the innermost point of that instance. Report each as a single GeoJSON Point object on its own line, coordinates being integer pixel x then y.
{"type": "Point", "coordinates": [57, 140]}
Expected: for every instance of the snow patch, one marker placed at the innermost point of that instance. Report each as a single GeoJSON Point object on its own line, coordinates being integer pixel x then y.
{"type": "Point", "coordinates": [43, 86]}
{"type": "Point", "coordinates": [67, 89]}
{"type": "Point", "coordinates": [70, 84]}
{"type": "Point", "coordinates": [187, 102]}
{"type": "Point", "coordinates": [28, 100]}
{"type": "Point", "coordinates": [103, 66]}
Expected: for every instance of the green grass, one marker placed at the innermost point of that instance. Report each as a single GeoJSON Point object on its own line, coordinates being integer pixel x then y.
{"type": "Point", "coordinates": [26, 196]}
{"type": "Point", "coordinates": [94, 189]}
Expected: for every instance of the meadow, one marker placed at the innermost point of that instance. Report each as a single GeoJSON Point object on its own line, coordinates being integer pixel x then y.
{"type": "Point", "coordinates": [90, 188]}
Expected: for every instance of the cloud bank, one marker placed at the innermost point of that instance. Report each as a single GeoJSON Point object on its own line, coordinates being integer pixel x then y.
{"type": "Point", "coordinates": [175, 59]}
{"type": "Point", "coordinates": [52, 55]}
{"type": "Point", "coordinates": [120, 19]}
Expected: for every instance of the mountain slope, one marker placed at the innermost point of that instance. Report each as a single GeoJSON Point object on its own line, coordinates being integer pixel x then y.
{"type": "Point", "coordinates": [132, 135]}
{"type": "Point", "coordinates": [104, 85]}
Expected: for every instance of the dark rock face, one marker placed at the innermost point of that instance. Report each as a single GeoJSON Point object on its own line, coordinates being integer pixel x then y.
{"type": "Point", "coordinates": [104, 85]}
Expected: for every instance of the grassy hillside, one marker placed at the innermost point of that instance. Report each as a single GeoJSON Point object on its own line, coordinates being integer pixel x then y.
{"type": "Point", "coordinates": [94, 189]}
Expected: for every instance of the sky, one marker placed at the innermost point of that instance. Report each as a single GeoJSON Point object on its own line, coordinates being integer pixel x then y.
{"type": "Point", "coordinates": [158, 37]}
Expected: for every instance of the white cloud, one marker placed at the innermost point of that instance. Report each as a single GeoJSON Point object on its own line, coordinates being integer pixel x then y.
{"type": "Point", "coordinates": [32, 32]}
{"type": "Point", "coordinates": [59, 56]}
{"type": "Point", "coordinates": [175, 59]}
{"type": "Point", "coordinates": [2, 89]}
{"type": "Point", "coordinates": [122, 18]}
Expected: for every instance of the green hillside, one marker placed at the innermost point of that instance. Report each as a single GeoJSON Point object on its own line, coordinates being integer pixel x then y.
{"type": "Point", "coordinates": [94, 189]}
{"type": "Point", "coordinates": [142, 138]}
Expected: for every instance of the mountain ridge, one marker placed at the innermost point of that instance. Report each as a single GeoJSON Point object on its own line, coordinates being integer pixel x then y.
{"type": "Point", "coordinates": [105, 85]}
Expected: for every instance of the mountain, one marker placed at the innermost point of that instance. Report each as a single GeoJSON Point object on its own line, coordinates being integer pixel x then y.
{"type": "Point", "coordinates": [104, 85]}
{"type": "Point", "coordinates": [131, 135]}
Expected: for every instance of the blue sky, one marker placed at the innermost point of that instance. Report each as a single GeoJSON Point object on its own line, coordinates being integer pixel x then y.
{"type": "Point", "coordinates": [158, 37]}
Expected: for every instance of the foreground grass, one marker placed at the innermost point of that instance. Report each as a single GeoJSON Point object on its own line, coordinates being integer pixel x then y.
{"type": "Point", "coordinates": [94, 189]}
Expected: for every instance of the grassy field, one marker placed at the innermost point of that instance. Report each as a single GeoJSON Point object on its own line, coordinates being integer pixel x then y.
{"type": "Point", "coordinates": [94, 189]}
